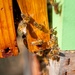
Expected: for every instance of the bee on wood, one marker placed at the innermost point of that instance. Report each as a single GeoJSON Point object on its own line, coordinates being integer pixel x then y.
{"type": "Point", "coordinates": [39, 26]}
{"type": "Point", "coordinates": [37, 42]}
{"type": "Point", "coordinates": [26, 18]}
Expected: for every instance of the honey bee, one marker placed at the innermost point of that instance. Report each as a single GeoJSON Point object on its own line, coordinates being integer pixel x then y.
{"type": "Point", "coordinates": [37, 42]}
{"type": "Point", "coordinates": [56, 8]}
{"type": "Point", "coordinates": [55, 58]}
{"type": "Point", "coordinates": [45, 71]}
{"type": "Point", "coordinates": [40, 53]}
{"type": "Point", "coordinates": [26, 18]}
{"type": "Point", "coordinates": [39, 26]}
{"type": "Point", "coordinates": [43, 56]}
{"type": "Point", "coordinates": [55, 5]}
{"type": "Point", "coordinates": [55, 52]}
{"type": "Point", "coordinates": [52, 2]}
{"type": "Point", "coordinates": [49, 55]}
{"type": "Point", "coordinates": [46, 60]}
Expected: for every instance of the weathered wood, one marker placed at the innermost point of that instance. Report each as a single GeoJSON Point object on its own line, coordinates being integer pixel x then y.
{"type": "Point", "coordinates": [7, 29]}
{"type": "Point", "coordinates": [66, 65]}
{"type": "Point", "coordinates": [37, 9]}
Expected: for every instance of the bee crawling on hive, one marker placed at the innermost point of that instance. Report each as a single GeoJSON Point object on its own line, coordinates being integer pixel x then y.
{"type": "Point", "coordinates": [54, 53]}
{"type": "Point", "coordinates": [55, 5]}
{"type": "Point", "coordinates": [39, 26]}
{"type": "Point", "coordinates": [26, 18]}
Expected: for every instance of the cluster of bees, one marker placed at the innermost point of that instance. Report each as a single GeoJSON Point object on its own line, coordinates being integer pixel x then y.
{"type": "Point", "coordinates": [28, 19]}
{"type": "Point", "coordinates": [52, 52]}
{"type": "Point", "coordinates": [43, 55]}
{"type": "Point", "coordinates": [23, 26]}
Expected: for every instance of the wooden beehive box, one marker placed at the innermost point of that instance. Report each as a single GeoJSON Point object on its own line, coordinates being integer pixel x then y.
{"type": "Point", "coordinates": [37, 9]}
{"type": "Point", "coordinates": [8, 46]}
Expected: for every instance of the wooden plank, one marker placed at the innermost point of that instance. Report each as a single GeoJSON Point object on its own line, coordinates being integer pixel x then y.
{"type": "Point", "coordinates": [9, 21]}
{"type": "Point", "coordinates": [8, 45]}
{"type": "Point", "coordinates": [37, 9]}
{"type": "Point", "coordinates": [2, 44]}
{"type": "Point", "coordinates": [4, 25]}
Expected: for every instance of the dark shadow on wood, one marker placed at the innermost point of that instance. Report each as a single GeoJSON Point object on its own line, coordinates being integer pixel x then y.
{"type": "Point", "coordinates": [32, 32]}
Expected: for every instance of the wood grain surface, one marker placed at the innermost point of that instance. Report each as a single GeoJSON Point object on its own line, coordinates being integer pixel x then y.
{"type": "Point", "coordinates": [37, 9]}
{"type": "Point", "coordinates": [7, 29]}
